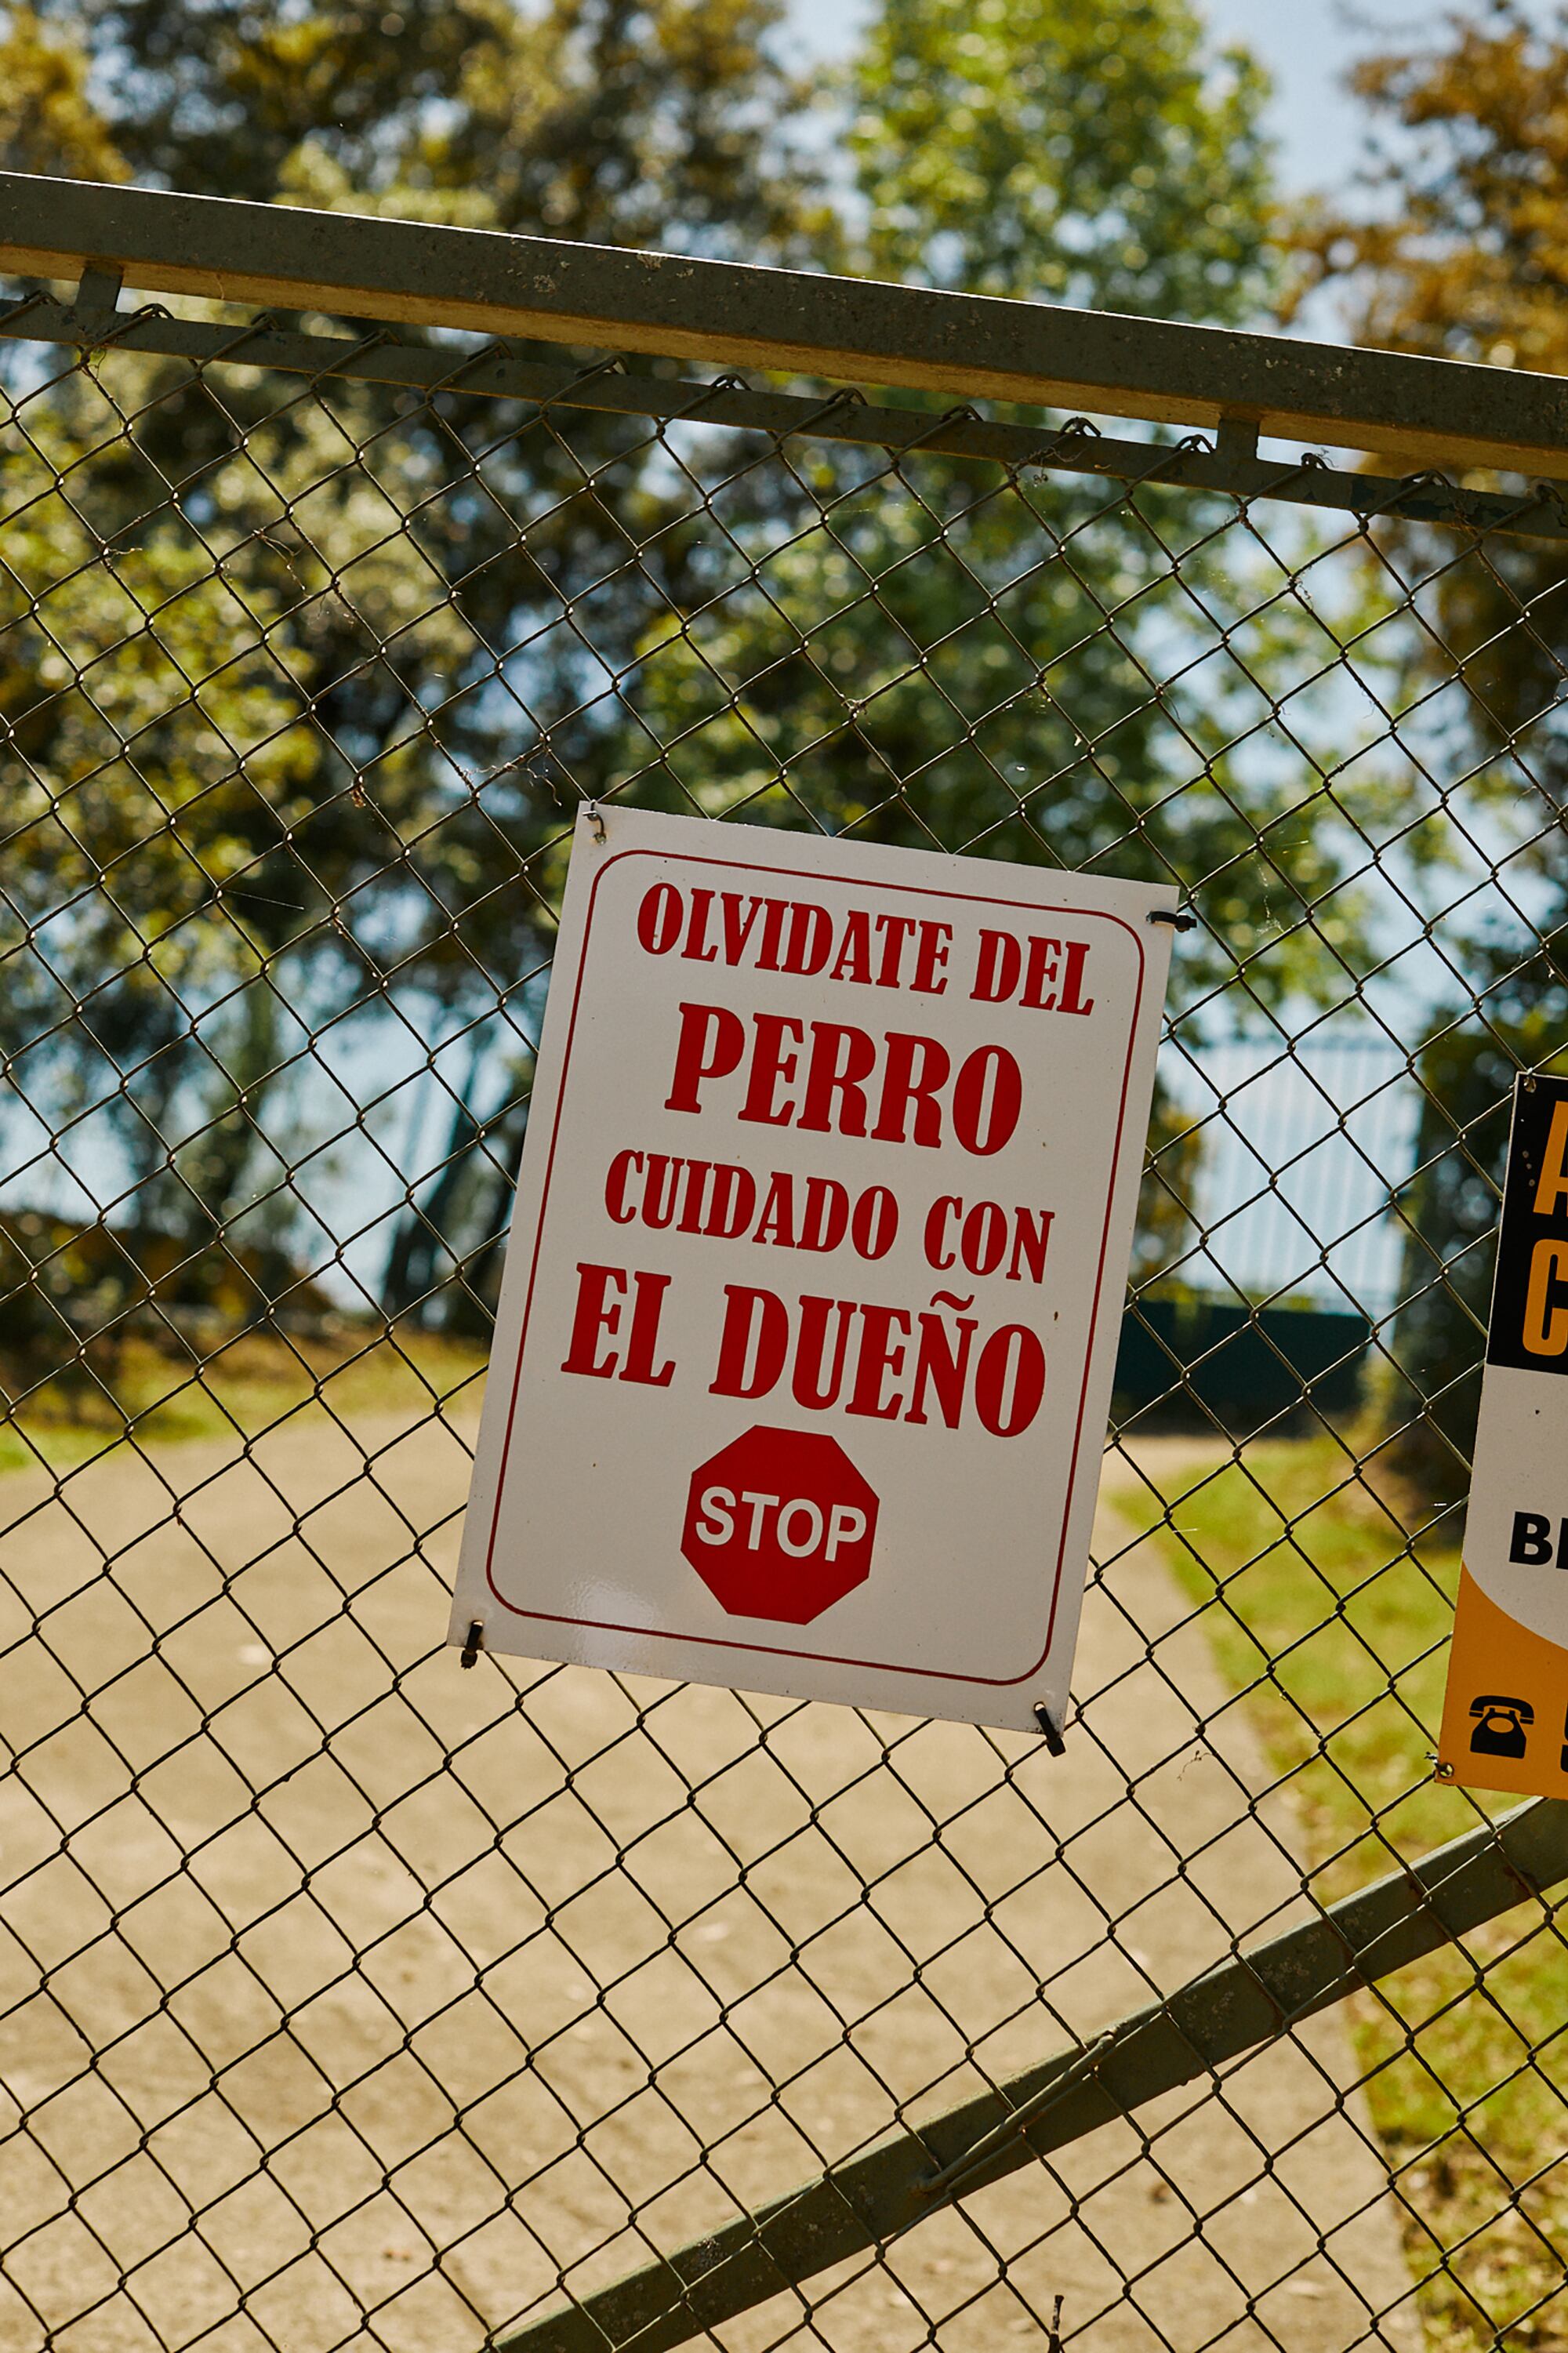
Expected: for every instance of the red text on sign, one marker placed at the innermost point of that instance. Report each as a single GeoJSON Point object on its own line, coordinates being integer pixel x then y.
{"type": "Point", "coordinates": [1051, 971]}
{"type": "Point", "coordinates": [978, 1239]}
{"type": "Point", "coordinates": [724, 1201]}
{"type": "Point", "coordinates": [795, 936]}
{"type": "Point", "coordinates": [830, 1084]}
{"type": "Point", "coordinates": [597, 1321]}
{"type": "Point", "coordinates": [879, 1362]}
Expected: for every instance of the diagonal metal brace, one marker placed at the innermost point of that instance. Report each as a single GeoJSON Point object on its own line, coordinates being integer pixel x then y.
{"type": "Point", "coordinates": [1241, 2003]}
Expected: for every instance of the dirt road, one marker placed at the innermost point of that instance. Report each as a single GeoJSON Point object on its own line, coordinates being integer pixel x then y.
{"type": "Point", "coordinates": [348, 2000]}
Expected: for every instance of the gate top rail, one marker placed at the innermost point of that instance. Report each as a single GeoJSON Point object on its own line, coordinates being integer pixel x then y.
{"type": "Point", "coordinates": [380, 357]}
{"type": "Point", "coordinates": [1422, 411]}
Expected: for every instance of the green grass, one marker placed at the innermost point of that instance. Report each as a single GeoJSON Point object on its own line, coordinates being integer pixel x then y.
{"type": "Point", "coordinates": [151, 1397]}
{"type": "Point", "coordinates": [1317, 1608]}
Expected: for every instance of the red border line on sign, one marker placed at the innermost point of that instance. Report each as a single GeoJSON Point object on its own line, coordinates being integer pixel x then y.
{"type": "Point", "coordinates": [726, 1641]}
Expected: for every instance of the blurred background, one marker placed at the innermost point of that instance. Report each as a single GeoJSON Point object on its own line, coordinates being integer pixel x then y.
{"type": "Point", "coordinates": [303, 680]}
{"type": "Point", "coordinates": [1353, 174]}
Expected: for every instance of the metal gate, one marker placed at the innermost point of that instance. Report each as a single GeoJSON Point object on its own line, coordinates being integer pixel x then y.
{"type": "Point", "coordinates": [347, 1998]}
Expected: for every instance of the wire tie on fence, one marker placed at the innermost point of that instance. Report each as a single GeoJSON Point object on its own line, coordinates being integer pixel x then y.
{"type": "Point", "coordinates": [614, 365]}
{"type": "Point", "coordinates": [474, 1644]}
{"type": "Point", "coordinates": [1082, 2066]}
{"type": "Point", "coordinates": [596, 819]}
{"type": "Point", "coordinates": [1054, 2341]}
{"type": "Point", "coordinates": [1181, 919]}
{"type": "Point", "coordinates": [1077, 429]}
{"type": "Point", "coordinates": [962, 412]}
{"type": "Point", "coordinates": [1550, 495]}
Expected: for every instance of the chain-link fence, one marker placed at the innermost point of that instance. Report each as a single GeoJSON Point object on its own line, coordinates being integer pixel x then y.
{"type": "Point", "coordinates": [350, 1999]}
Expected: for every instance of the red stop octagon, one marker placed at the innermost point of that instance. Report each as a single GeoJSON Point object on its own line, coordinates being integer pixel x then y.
{"type": "Point", "coordinates": [779, 1524]}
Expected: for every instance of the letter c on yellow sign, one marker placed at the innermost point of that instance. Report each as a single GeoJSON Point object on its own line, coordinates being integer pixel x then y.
{"type": "Point", "coordinates": [1546, 1326]}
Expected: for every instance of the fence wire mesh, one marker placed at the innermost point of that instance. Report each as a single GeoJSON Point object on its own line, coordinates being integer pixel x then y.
{"type": "Point", "coordinates": [349, 1999]}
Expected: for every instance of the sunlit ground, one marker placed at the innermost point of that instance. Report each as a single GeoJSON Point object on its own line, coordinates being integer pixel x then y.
{"type": "Point", "coordinates": [1340, 1639]}
{"type": "Point", "coordinates": [1317, 1612]}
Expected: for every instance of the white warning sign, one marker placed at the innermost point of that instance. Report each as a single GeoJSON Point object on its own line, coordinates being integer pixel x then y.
{"type": "Point", "coordinates": [816, 1269]}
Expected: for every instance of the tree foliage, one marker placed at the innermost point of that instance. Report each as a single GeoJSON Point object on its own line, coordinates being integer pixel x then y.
{"type": "Point", "coordinates": [1459, 248]}
{"type": "Point", "coordinates": [1458, 241]}
{"type": "Point", "coordinates": [923, 653]}
{"type": "Point", "coordinates": [636, 123]}
{"type": "Point", "coordinates": [933, 656]}
{"type": "Point", "coordinates": [392, 577]}
{"type": "Point", "coordinates": [937, 655]}
{"type": "Point", "coordinates": [1105, 156]}
{"type": "Point", "coordinates": [49, 121]}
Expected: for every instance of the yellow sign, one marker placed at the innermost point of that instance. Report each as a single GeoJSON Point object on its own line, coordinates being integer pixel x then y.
{"type": "Point", "coordinates": [1505, 1714]}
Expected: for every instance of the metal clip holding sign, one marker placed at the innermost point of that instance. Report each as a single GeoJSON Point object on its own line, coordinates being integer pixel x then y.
{"type": "Point", "coordinates": [1505, 1715]}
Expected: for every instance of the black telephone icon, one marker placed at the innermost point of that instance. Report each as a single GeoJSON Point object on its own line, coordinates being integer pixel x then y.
{"type": "Point", "coordinates": [1499, 1731]}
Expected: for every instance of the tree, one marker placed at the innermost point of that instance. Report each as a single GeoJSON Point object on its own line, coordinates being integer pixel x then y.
{"type": "Point", "coordinates": [1103, 156]}
{"type": "Point", "coordinates": [935, 655]}
{"type": "Point", "coordinates": [402, 570]}
{"type": "Point", "coordinates": [154, 770]}
{"type": "Point", "coordinates": [1018, 150]}
{"type": "Point", "coordinates": [1460, 249]}
{"type": "Point", "coordinates": [49, 122]}
{"type": "Point", "coordinates": [636, 123]}
{"type": "Point", "coordinates": [921, 653]}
